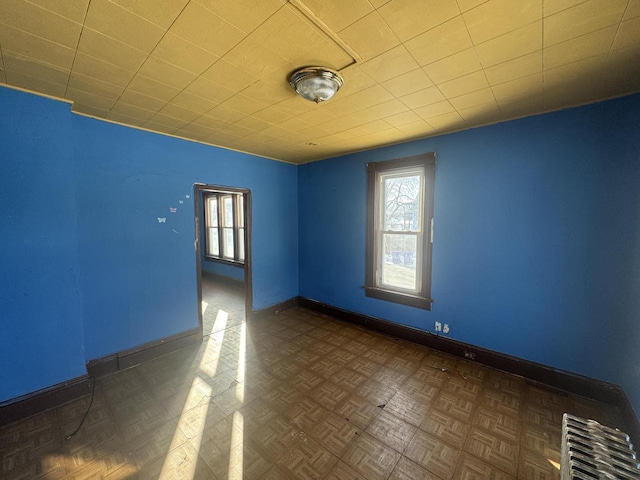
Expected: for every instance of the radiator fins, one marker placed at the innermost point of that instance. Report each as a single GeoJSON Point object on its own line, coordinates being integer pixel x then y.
{"type": "Point", "coordinates": [592, 451]}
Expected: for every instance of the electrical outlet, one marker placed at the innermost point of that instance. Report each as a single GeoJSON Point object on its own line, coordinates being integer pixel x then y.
{"type": "Point", "coordinates": [469, 355]}
{"type": "Point", "coordinates": [445, 328]}
{"type": "Point", "coordinates": [438, 327]}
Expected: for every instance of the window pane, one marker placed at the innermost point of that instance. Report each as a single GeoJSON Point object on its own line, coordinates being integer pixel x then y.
{"type": "Point", "coordinates": [212, 211]}
{"type": "Point", "coordinates": [213, 246]}
{"type": "Point", "coordinates": [228, 211]}
{"type": "Point", "coordinates": [241, 244]}
{"type": "Point", "coordinates": [401, 200]}
{"type": "Point", "coordinates": [227, 242]}
{"type": "Point", "coordinates": [399, 261]}
{"type": "Point", "coordinates": [240, 210]}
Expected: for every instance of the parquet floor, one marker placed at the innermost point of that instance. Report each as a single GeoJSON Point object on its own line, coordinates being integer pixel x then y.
{"type": "Point", "coordinates": [299, 396]}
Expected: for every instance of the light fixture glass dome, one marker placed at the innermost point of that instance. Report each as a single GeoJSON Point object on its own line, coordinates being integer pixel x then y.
{"type": "Point", "coordinates": [317, 84]}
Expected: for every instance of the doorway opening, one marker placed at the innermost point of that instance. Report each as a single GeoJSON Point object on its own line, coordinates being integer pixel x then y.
{"type": "Point", "coordinates": [223, 255]}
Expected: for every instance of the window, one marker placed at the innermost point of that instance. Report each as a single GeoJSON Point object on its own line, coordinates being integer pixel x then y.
{"type": "Point", "coordinates": [399, 230]}
{"type": "Point", "coordinates": [224, 226]}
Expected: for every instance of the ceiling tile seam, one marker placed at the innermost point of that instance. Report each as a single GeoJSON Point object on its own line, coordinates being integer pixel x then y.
{"type": "Point", "coordinates": [55, 13]}
{"type": "Point", "coordinates": [36, 36]}
{"type": "Point", "coordinates": [75, 53]}
{"type": "Point", "coordinates": [562, 9]}
{"type": "Point", "coordinates": [618, 29]}
{"type": "Point", "coordinates": [484, 72]}
{"type": "Point", "coordinates": [2, 69]}
{"type": "Point", "coordinates": [152, 50]}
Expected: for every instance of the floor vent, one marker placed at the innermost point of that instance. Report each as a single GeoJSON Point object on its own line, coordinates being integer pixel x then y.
{"type": "Point", "coordinates": [592, 451]}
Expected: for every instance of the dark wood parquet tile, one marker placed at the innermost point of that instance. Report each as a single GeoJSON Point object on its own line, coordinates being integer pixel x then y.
{"type": "Point", "coordinates": [472, 468]}
{"type": "Point", "coordinates": [310, 398]}
{"type": "Point", "coordinates": [392, 431]}
{"type": "Point", "coordinates": [433, 455]}
{"type": "Point", "coordinates": [371, 458]}
{"type": "Point", "coordinates": [408, 470]}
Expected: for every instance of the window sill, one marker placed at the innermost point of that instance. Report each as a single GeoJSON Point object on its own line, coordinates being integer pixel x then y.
{"type": "Point", "coordinates": [397, 297]}
{"type": "Point", "coordinates": [224, 260]}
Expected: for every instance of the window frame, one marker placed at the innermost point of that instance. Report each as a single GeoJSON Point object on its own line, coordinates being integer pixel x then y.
{"type": "Point", "coordinates": [238, 230]}
{"type": "Point", "coordinates": [373, 288]}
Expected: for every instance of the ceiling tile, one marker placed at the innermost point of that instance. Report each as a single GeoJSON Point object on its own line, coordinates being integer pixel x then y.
{"type": "Point", "coordinates": [633, 9]}
{"type": "Point", "coordinates": [422, 97]}
{"type": "Point", "coordinates": [472, 99]}
{"type": "Point", "coordinates": [90, 111]}
{"type": "Point", "coordinates": [74, 11]}
{"type": "Point", "coordinates": [152, 88]}
{"type": "Point", "coordinates": [244, 104]}
{"type": "Point", "coordinates": [176, 111]}
{"type": "Point", "coordinates": [228, 75]}
{"type": "Point", "coordinates": [340, 107]}
{"type": "Point", "coordinates": [166, 121]}
{"type": "Point", "coordinates": [202, 27]}
{"type": "Point", "coordinates": [439, 42]}
{"type": "Point", "coordinates": [551, 7]}
{"type": "Point", "coordinates": [337, 14]}
{"type": "Point", "coordinates": [135, 99]}
{"type": "Point", "coordinates": [34, 84]}
{"type": "Point", "coordinates": [314, 117]}
{"type": "Point", "coordinates": [170, 74]}
{"type": "Point", "coordinates": [161, 13]}
{"type": "Point", "coordinates": [390, 64]}
{"type": "Point", "coordinates": [98, 45]}
{"type": "Point", "coordinates": [293, 37]}
{"type": "Point", "coordinates": [623, 66]}
{"type": "Point", "coordinates": [454, 66]}
{"type": "Point", "coordinates": [269, 92]}
{"type": "Point", "coordinates": [409, 18]}
{"type": "Point", "coordinates": [370, 36]}
{"type": "Point", "coordinates": [416, 129]}
{"type": "Point", "coordinates": [522, 87]}
{"type": "Point", "coordinates": [628, 34]}
{"type": "Point", "coordinates": [386, 109]}
{"type": "Point", "coordinates": [434, 110]}
{"type": "Point", "coordinates": [107, 72]}
{"type": "Point", "coordinates": [253, 57]}
{"type": "Point", "coordinates": [446, 122]}
{"type": "Point", "coordinates": [93, 85]}
{"type": "Point", "coordinates": [518, 106]}
{"type": "Point", "coordinates": [590, 45]}
{"type": "Point", "coordinates": [38, 21]}
{"type": "Point", "coordinates": [466, 84]}
{"type": "Point", "coordinates": [89, 99]}
{"type": "Point", "coordinates": [516, 68]}
{"type": "Point", "coordinates": [122, 25]}
{"type": "Point", "coordinates": [512, 45]}
{"type": "Point", "coordinates": [192, 102]}
{"type": "Point", "coordinates": [177, 51]}
{"type": "Point", "coordinates": [209, 90]}
{"type": "Point", "coordinates": [38, 48]}
{"type": "Point", "coordinates": [246, 15]}
{"type": "Point", "coordinates": [582, 19]}
{"type": "Point", "coordinates": [403, 118]}
{"type": "Point", "coordinates": [371, 96]}
{"type": "Point", "coordinates": [469, 4]}
{"type": "Point", "coordinates": [570, 76]}
{"type": "Point", "coordinates": [253, 124]}
{"type": "Point", "coordinates": [272, 114]}
{"type": "Point", "coordinates": [408, 83]}
{"type": "Point", "coordinates": [481, 114]}
{"type": "Point", "coordinates": [16, 63]}
{"type": "Point", "coordinates": [355, 79]}
{"type": "Point", "coordinates": [211, 122]}
{"type": "Point", "coordinates": [498, 17]}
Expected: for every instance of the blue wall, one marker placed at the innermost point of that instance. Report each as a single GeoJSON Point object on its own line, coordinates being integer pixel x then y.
{"type": "Point", "coordinates": [536, 233]}
{"type": "Point", "coordinates": [87, 267]}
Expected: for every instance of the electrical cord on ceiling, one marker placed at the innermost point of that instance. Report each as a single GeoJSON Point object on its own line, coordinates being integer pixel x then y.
{"type": "Point", "coordinates": [93, 392]}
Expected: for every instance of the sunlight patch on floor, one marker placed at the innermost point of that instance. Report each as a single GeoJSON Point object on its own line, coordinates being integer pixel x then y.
{"type": "Point", "coordinates": [211, 353]}
{"type": "Point", "coordinates": [242, 350]}
{"type": "Point", "coordinates": [237, 448]}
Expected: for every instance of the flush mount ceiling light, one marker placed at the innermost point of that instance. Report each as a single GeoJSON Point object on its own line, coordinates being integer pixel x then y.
{"type": "Point", "coordinates": [317, 84]}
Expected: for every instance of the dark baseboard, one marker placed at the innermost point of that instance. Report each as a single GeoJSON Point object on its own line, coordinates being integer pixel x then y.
{"type": "Point", "coordinates": [570, 382]}
{"type": "Point", "coordinates": [142, 353]}
{"type": "Point", "coordinates": [45, 399]}
{"type": "Point", "coordinates": [274, 309]}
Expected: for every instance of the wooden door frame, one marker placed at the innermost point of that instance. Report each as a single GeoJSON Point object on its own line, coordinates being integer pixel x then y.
{"type": "Point", "coordinates": [198, 190]}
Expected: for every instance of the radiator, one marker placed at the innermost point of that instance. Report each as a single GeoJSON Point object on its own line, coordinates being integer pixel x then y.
{"type": "Point", "coordinates": [592, 451]}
